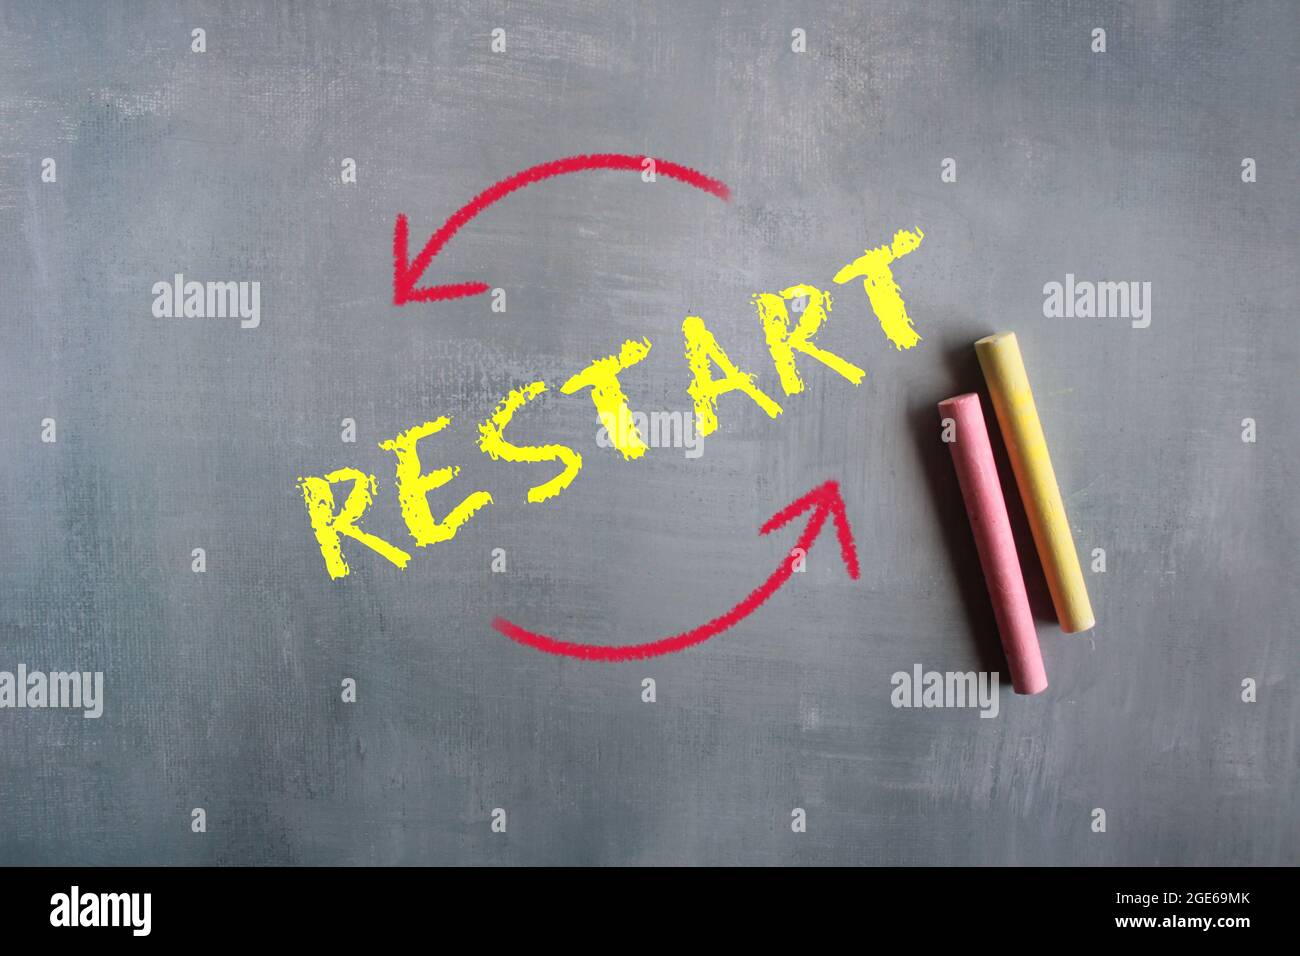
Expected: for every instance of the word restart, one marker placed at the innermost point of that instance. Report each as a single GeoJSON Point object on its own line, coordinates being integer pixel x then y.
{"type": "Point", "coordinates": [331, 523]}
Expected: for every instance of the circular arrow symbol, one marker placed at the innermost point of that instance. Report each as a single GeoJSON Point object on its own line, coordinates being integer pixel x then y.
{"type": "Point", "coordinates": [823, 500]}
{"type": "Point", "coordinates": [406, 273]}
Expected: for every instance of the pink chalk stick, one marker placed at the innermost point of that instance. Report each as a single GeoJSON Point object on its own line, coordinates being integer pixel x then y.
{"type": "Point", "coordinates": [987, 509]}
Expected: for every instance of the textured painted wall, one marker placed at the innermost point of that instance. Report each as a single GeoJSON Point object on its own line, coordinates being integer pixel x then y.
{"type": "Point", "coordinates": [222, 689]}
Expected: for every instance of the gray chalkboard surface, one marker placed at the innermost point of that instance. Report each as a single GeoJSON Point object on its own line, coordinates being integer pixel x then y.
{"type": "Point", "coordinates": [252, 709]}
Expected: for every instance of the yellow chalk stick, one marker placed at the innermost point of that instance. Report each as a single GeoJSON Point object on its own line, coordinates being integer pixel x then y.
{"type": "Point", "coordinates": [1004, 371]}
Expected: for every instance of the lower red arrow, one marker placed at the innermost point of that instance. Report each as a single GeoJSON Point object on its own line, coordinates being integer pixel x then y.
{"type": "Point", "coordinates": [823, 500]}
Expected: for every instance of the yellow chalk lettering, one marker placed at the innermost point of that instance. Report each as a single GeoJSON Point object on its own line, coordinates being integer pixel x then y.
{"type": "Point", "coordinates": [493, 443]}
{"type": "Point", "coordinates": [783, 342]}
{"type": "Point", "coordinates": [413, 488]}
{"type": "Point", "coordinates": [878, 279]}
{"type": "Point", "coordinates": [701, 348]}
{"type": "Point", "coordinates": [607, 395]}
{"type": "Point", "coordinates": [329, 527]}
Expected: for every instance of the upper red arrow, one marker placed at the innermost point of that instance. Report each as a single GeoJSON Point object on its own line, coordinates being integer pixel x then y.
{"type": "Point", "coordinates": [824, 499]}
{"type": "Point", "coordinates": [406, 274]}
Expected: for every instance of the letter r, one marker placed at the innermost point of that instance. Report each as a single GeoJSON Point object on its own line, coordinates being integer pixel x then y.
{"type": "Point", "coordinates": [328, 526]}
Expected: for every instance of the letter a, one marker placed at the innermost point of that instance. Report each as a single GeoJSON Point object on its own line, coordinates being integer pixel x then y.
{"type": "Point", "coordinates": [701, 348]}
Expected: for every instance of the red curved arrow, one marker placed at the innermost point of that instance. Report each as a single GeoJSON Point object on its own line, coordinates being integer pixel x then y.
{"type": "Point", "coordinates": [406, 275]}
{"type": "Point", "coordinates": [824, 499]}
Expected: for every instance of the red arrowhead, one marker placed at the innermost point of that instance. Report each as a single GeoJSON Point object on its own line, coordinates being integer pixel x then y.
{"type": "Point", "coordinates": [824, 499]}
{"type": "Point", "coordinates": [406, 273]}
{"type": "Point", "coordinates": [405, 276]}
